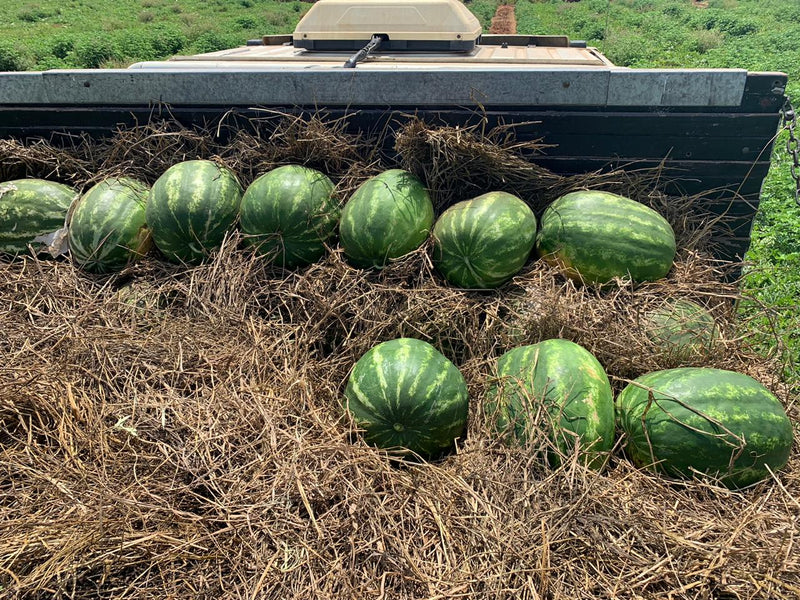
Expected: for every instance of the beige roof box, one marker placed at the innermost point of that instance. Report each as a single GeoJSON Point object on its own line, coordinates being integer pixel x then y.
{"type": "Point", "coordinates": [415, 25]}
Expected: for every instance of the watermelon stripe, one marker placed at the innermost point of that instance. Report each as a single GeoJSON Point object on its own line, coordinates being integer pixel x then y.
{"type": "Point", "coordinates": [289, 213]}
{"type": "Point", "coordinates": [30, 208]}
{"type": "Point", "coordinates": [406, 394]}
{"type": "Point", "coordinates": [596, 236]}
{"type": "Point", "coordinates": [698, 420]}
{"type": "Point", "coordinates": [388, 216]}
{"type": "Point", "coordinates": [107, 229]}
{"type": "Point", "coordinates": [190, 209]}
{"type": "Point", "coordinates": [681, 329]}
{"type": "Point", "coordinates": [483, 242]}
{"type": "Point", "coordinates": [566, 381]}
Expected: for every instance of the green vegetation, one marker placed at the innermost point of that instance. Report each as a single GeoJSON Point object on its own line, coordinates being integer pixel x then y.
{"type": "Point", "coordinates": [757, 35]}
{"type": "Point", "coordinates": [752, 34]}
{"type": "Point", "coordinates": [100, 33]}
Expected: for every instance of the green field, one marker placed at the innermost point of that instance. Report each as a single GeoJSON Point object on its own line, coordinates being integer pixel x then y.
{"type": "Point", "coordinates": [102, 33]}
{"type": "Point", "coordinates": [754, 34]}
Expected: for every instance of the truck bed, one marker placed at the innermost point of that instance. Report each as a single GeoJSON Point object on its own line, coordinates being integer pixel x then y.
{"type": "Point", "coordinates": [712, 130]}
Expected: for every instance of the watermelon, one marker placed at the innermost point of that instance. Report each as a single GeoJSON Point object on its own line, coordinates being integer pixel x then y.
{"type": "Point", "coordinates": [407, 396]}
{"type": "Point", "coordinates": [107, 229]}
{"type": "Point", "coordinates": [699, 421]}
{"type": "Point", "coordinates": [388, 216]}
{"type": "Point", "coordinates": [594, 237]}
{"type": "Point", "coordinates": [483, 242]}
{"type": "Point", "coordinates": [30, 208]}
{"type": "Point", "coordinates": [144, 300]}
{"type": "Point", "coordinates": [289, 213]}
{"type": "Point", "coordinates": [190, 209]}
{"type": "Point", "coordinates": [560, 388]}
{"type": "Point", "coordinates": [681, 329]}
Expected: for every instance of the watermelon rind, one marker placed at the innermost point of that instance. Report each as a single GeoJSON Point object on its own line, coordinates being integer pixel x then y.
{"type": "Point", "coordinates": [388, 216]}
{"type": "Point", "coordinates": [107, 230]}
{"type": "Point", "coordinates": [693, 421]}
{"type": "Point", "coordinates": [594, 237]}
{"type": "Point", "coordinates": [29, 209]}
{"type": "Point", "coordinates": [481, 243]}
{"type": "Point", "coordinates": [681, 329]}
{"type": "Point", "coordinates": [143, 300]}
{"type": "Point", "coordinates": [191, 208]}
{"type": "Point", "coordinates": [407, 397]}
{"type": "Point", "coordinates": [289, 214]}
{"type": "Point", "coordinates": [559, 388]}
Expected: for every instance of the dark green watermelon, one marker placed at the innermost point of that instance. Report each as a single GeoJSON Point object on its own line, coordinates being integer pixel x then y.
{"type": "Point", "coordinates": [594, 237]}
{"type": "Point", "coordinates": [388, 216]}
{"type": "Point", "coordinates": [681, 329]}
{"type": "Point", "coordinates": [407, 396]}
{"type": "Point", "coordinates": [30, 208]}
{"type": "Point", "coordinates": [483, 242]}
{"type": "Point", "coordinates": [560, 388]}
{"type": "Point", "coordinates": [695, 421]}
{"type": "Point", "coordinates": [191, 208]}
{"type": "Point", "coordinates": [289, 214]}
{"type": "Point", "coordinates": [107, 230]}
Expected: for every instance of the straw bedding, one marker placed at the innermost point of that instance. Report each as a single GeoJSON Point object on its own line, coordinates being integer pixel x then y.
{"type": "Point", "coordinates": [175, 432]}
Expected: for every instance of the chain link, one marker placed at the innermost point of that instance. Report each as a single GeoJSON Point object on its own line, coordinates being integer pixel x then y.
{"type": "Point", "coordinates": [792, 146]}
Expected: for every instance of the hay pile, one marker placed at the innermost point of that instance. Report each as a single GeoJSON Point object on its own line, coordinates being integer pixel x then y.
{"type": "Point", "coordinates": [176, 432]}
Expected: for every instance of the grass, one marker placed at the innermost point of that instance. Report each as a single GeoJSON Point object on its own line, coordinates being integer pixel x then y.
{"type": "Point", "coordinates": [753, 34]}
{"type": "Point", "coordinates": [99, 33]}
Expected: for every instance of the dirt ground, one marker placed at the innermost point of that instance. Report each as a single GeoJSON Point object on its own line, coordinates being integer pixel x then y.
{"type": "Point", "coordinates": [504, 20]}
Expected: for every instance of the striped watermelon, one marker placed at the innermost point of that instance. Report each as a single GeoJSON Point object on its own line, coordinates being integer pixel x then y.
{"type": "Point", "coordinates": [289, 214]}
{"type": "Point", "coordinates": [107, 229]}
{"type": "Point", "coordinates": [190, 209]}
{"type": "Point", "coordinates": [692, 421]}
{"type": "Point", "coordinates": [560, 388]}
{"type": "Point", "coordinates": [406, 395]}
{"type": "Point", "coordinates": [143, 300]}
{"type": "Point", "coordinates": [483, 242]}
{"type": "Point", "coordinates": [593, 237]}
{"type": "Point", "coordinates": [388, 216]}
{"type": "Point", "coordinates": [681, 329]}
{"type": "Point", "coordinates": [30, 208]}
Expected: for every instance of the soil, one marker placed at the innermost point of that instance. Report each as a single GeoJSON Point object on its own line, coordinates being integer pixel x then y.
{"type": "Point", "coordinates": [504, 20]}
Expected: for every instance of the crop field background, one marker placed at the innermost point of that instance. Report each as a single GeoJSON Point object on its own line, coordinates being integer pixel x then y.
{"type": "Point", "coordinates": [754, 34]}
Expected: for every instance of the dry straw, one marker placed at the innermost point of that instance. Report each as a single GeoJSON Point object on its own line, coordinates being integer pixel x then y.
{"type": "Point", "coordinates": [176, 432]}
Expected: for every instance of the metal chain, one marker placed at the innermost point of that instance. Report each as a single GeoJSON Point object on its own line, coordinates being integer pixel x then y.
{"type": "Point", "coordinates": [792, 145]}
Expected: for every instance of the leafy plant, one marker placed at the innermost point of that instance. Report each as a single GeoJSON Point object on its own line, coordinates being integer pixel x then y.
{"type": "Point", "coordinates": [212, 42]}
{"type": "Point", "coordinates": [92, 51]}
{"type": "Point", "coordinates": [33, 13]}
{"type": "Point", "coordinates": [11, 59]}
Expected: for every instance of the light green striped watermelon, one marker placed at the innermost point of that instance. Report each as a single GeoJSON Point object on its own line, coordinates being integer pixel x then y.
{"type": "Point", "coordinates": [483, 242]}
{"type": "Point", "coordinates": [407, 396]}
{"type": "Point", "coordinates": [190, 209]}
{"type": "Point", "coordinates": [388, 216]}
{"type": "Point", "coordinates": [697, 421]}
{"type": "Point", "coordinates": [593, 237]}
{"type": "Point", "coordinates": [289, 213]}
{"type": "Point", "coordinates": [107, 230]}
{"type": "Point", "coordinates": [681, 329]}
{"type": "Point", "coordinates": [558, 387]}
{"type": "Point", "coordinates": [30, 208]}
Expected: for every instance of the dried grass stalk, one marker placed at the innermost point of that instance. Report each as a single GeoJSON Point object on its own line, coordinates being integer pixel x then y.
{"type": "Point", "coordinates": [177, 432]}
